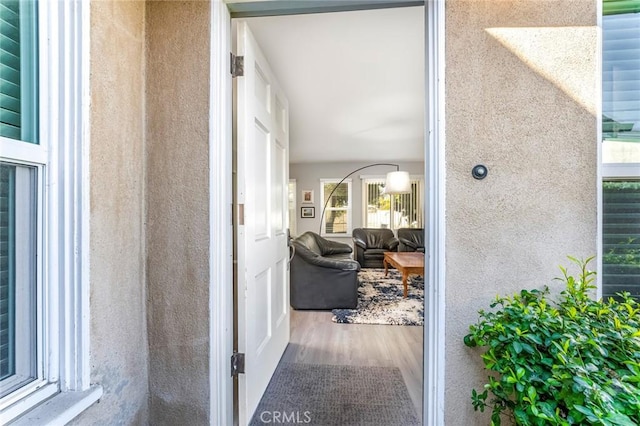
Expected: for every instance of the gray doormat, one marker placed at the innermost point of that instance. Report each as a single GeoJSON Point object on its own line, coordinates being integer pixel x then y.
{"type": "Point", "coordinates": [336, 395]}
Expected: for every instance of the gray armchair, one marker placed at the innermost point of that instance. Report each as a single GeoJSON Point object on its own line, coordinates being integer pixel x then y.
{"type": "Point", "coordinates": [323, 274]}
{"type": "Point", "coordinates": [370, 245]}
{"type": "Point", "coordinates": [411, 239]}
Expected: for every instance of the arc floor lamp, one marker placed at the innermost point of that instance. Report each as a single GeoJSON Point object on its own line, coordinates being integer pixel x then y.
{"type": "Point", "coordinates": [397, 182]}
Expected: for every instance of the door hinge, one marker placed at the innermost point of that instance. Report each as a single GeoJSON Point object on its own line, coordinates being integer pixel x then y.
{"type": "Point", "coordinates": [240, 214]}
{"type": "Point", "coordinates": [237, 364]}
{"type": "Point", "coordinates": [237, 66]}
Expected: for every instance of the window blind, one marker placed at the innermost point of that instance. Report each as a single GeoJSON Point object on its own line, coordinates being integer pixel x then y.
{"type": "Point", "coordinates": [621, 76]}
{"type": "Point", "coordinates": [396, 211]}
{"type": "Point", "coordinates": [19, 70]}
{"type": "Point", "coordinates": [613, 7]}
{"type": "Point", "coordinates": [621, 238]}
{"type": "Point", "coordinates": [10, 104]}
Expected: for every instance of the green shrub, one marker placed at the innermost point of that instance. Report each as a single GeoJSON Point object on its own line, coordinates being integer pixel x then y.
{"type": "Point", "coordinates": [569, 362]}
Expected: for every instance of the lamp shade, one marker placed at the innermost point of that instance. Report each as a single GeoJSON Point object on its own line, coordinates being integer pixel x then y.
{"type": "Point", "coordinates": [398, 183]}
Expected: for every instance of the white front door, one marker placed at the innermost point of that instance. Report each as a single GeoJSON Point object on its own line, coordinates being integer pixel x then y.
{"type": "Point", "coordinates": [262, 189]}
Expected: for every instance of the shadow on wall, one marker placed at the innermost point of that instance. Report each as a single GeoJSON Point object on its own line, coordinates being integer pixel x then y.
{"type": "Point", "coordinates": [537, 48]}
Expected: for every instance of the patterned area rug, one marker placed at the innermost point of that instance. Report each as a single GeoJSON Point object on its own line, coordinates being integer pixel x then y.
{"type": "Point", "coordinates": [380, 300]}
{"type": "Point", "coordinates": [336, 395]}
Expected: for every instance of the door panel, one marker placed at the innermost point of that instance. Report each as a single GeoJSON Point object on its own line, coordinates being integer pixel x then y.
{"type": "Point", "coordinates": [263, 274]}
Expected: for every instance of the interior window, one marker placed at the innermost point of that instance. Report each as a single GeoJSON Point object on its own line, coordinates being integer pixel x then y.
{"type": "Point", "coordinates": [337, 198]}
{"type": "Point", "coordinates": [391, 211]}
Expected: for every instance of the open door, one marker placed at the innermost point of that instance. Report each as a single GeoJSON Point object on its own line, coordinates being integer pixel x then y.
{"type": "Point", "coordinates": [262, 121]}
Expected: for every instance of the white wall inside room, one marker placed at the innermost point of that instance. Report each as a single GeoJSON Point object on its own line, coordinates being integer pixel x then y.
{"type": "Point", "coordinates": [308, 175]}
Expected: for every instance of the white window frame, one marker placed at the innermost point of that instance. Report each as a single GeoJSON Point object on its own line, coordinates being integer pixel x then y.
{"type": "Point", "coordinates": [62, 156]}
{"type": "Point", "coordinates": [367, 179]}
{"type": "Point", "coordinates": [348, 209]}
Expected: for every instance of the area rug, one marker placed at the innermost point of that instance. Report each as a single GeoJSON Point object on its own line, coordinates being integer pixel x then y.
{"type": "Point", "coordinates": [336, 395]}
{"type": "Point", "coordinates": [381, 301]}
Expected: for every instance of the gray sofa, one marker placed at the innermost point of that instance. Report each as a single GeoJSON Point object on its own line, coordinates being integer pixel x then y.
{"type": "Point", "coordinates": [370, 245]}
{"type": "Point", "coordinates": [411, 239]}
{"type": "Point", "coordinates": [323, 274]}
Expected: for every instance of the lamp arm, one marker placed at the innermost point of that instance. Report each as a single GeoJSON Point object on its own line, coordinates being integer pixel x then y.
{"type": "Point", "coordinates": [345, 178]}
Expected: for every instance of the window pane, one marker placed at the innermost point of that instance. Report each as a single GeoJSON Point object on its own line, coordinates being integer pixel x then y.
{"type": "Point", "coordinates": [407, 210]}
{"type": "Point", "coordinates": [621, 85]}
{"type": "Point", "coordinates": [397, 211]}
{"type": "Point", "coordinates": [17, 276]}
{"type": "Point", "coordinates": [340, 198]}
{"type": "Point", "coordinates": [378, 205]}
{"type": "Point", "coordinates": [621, 238]}
{"type": "Point", "coordinates": [336, 214]}
{"type": "Point", "coordinates": [19, 70]}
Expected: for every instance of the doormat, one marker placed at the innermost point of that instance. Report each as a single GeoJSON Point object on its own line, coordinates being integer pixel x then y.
{"type": "Point", "coordinates": [381, 301]}
{"type": "Point", "coordinates": [336, 395]}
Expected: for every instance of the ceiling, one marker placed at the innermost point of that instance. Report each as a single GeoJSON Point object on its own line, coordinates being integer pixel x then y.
{"type": "Point", "coordinates": [355, 82]}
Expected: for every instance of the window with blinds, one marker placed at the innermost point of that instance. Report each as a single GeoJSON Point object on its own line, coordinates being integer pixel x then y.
{"type": "Point", "coordinates": [621, 70]}
{"type": "Point", "coordinates": [19, 194]}
{"type": "Point", "coordinates": [18, 70]}
{"type": "Point", "coordinates": [621, 237]}
{"type": "Point", "coordinates": [621, 147]}
{"type": "Point", "coordinates": [395, 211]}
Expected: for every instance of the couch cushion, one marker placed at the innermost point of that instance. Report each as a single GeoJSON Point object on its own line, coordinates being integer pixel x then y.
{"type": "Point", "coordinates": [414, 237]}
{"type": "Point", "coordinates": [374, 237]}
{"type": "Point", "coordinates": [374, 253]}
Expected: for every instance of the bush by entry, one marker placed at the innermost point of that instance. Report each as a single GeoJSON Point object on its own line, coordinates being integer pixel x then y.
{"type": "Point", "coordinates": [566, 362]}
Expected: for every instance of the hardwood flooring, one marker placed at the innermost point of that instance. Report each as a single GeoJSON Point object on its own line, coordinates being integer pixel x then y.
{"type": "Point", "coordinates": [315, 339]}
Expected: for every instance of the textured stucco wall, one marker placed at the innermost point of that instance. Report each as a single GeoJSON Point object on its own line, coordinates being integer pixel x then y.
{"type": "Point", "coordinates": [178, 229]}
{"type": "Point", "coordinates": [521, 97]}
{"type": "Point", "coordinates": [119, 355]}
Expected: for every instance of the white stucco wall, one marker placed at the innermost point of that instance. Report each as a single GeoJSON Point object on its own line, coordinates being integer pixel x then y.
{"type": "Point", "coordinates": [178, 215]}
{"type": "Point", "coordinates": [521, 98]}
{"type": "Point", "coordinates": [118, 345]}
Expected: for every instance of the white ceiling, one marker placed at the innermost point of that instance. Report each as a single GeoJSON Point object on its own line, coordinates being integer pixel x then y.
{"type": "Point", "coordinates": [355, 82]}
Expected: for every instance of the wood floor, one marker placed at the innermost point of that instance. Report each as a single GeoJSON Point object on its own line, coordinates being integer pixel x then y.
{"type": "Point", "coordinates": [315, 339]}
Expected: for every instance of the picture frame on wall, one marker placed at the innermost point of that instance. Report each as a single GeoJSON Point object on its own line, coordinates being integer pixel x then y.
{"type": "Point", "coordinates": [307, 196]}
{"type": "Point", "coordinates": [308, 212]}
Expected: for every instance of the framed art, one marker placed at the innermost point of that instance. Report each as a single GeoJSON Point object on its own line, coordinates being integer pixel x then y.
{"type": "Point", "coordinates": [308, 212]}
{"type": "Point", "coordinates": [307, 196]}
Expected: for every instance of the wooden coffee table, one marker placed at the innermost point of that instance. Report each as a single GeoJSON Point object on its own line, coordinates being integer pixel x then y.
{"type": "Point", "coordinates": [406, 262]}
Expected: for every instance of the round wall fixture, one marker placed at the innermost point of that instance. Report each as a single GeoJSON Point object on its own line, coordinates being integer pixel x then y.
{"type": "Point", "coordinates": [479, 172]}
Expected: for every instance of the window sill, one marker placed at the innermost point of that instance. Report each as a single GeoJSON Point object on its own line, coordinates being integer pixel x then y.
{"type": "Point", "coordinates": [61, 408]}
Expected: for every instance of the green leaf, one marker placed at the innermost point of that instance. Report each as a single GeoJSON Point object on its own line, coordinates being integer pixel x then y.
{"type": "Point", "coordinates": [583, 383]}
{"type": "Point", "coordinates": [517, 346]}
{"type": "Point", "coordinates": [620, 419]}
{"type": "Point", "coordinates": [587, 412]}
{"type": "Point", "coordinates": [470, 341]}
{"type": "Point", "coordinates": [534, 338]}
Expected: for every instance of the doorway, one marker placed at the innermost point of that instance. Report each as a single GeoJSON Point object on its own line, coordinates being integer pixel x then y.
{"type": "Point", "coordinates": [433, 342]}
